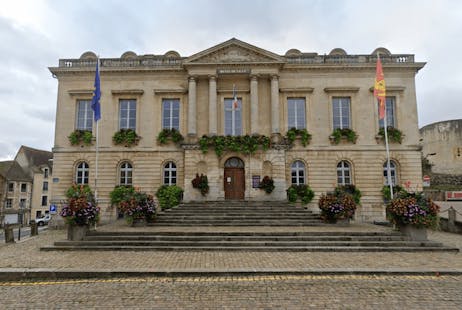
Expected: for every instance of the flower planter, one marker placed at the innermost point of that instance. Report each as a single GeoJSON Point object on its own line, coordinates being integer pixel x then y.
{"type": "Point", "coordinates": [414, 233]}
{"type": "Point", "coordinates": [77, 232]}
{"type": "Point", "coordinates": [139, 222]}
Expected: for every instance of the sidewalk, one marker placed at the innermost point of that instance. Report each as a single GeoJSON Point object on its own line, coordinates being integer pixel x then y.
{"type": "Point", "coordinates": [25, 260]}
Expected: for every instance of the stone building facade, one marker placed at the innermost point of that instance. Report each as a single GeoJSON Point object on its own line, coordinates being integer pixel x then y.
{"type": "Point", "coordinates": [235, 88]}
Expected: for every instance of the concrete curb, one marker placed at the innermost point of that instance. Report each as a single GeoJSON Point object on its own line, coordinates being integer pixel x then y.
{"type": "Point", "coordinates": [21, 274]}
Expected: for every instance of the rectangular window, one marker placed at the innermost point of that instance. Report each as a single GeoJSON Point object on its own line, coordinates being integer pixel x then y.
{"type": "Point", "coordinates": [45, 186]}
{"type": "Point", "coordinates": [233, 117]}
{"type": "Point", "coordinates": [296, 113]}
{"type": "Point", "coordinates": [341, 112]}
{"type": "Point", "coordinates": [84, 115]}
{"type": "Point", "coordinates": [44, 200]}
{"type": "Point", "coordinates": [22, 203]}
{"type": "Point", "coordinates": [23, 187]}
{"type": "Point", "coordinates": [127, 114]}
{"type": "Point", "coordinates": [9, 203]}
{"type": "Point", "coordinates": [11, 187]}
{"type": "Point", "coordinates": [38, 214]}
{"type": "Point", "coordinates": [390, 111]}
{"type": "Point", "coordinates": [45, 173]}
{"type": "Point", "coordinates": [171, 114]}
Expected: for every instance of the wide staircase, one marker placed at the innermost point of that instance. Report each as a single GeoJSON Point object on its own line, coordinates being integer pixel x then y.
{"type": "Point", "coordinates": [244, 226]}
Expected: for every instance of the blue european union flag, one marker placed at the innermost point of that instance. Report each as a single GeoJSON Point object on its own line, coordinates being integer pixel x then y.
{"type": "Point", "coordinates": [95, 104]}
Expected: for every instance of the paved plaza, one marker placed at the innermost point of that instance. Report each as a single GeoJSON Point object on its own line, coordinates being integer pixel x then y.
{"type": "Point", "coordinates": [229, 280]}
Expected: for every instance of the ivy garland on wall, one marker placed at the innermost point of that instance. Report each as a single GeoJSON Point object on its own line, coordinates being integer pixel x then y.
{"type": "Point", "coordinates": [240, 144]}
{"type": "Point", "coordinates": [293, 133]}
{"type": "Point", "coordinates": [81, 137]}
{"type": "Point", "coordinates": [169, 135]}
{"type": "Point", "coordinates": [346, 133]}
{"type": "Point", "coordinates": [394, 134]}
{"type": "Point", "coordinates": [127, 137]}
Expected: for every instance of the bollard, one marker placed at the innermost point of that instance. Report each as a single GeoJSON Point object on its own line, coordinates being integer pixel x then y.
{"type": "Point", "coordinates": [33, 228]}
{"type": "Point", "coordinates": [452, 220]}
{"type": "Point", "coordinates": [9, 236]}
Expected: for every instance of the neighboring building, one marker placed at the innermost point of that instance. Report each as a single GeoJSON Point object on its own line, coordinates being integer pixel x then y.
{"type": "Point", "coordinates": [274, 93]}
{"type": "Point", "coordinates": [442, 146]}
{"type": "Point", "coordinates": [23, 193]}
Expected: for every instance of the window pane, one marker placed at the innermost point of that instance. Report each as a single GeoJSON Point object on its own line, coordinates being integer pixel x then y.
{"type": "Point", "coordinates": [84, 115]}
{"type": "Point", "coordinates": [127, 114]}
{"type": "Point", "coordinates": [390, 110]}
{"type": "Point", "coordinates": [341, 112]}
{"type": "Point", "coordinates": [233, 117]}
{"type": "Point", "coordinates": [296, 113]}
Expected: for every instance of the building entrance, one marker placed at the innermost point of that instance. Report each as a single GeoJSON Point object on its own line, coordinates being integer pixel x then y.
{"type": "Point", "coordinates": [234, 179]}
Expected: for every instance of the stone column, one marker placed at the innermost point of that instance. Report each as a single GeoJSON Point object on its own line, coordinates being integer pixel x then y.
{"type": "Point", "coordinates": [212, 105]}
{"type": "Point", "coordinates": [274, 105]}
{"type": "Point", "coordinates": [254, 104]}
{"type": "Point", "coordinates": [192, 107]}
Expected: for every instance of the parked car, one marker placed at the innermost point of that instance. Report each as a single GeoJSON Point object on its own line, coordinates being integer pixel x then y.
{"type": "Point", "coordinates": [43, 220]}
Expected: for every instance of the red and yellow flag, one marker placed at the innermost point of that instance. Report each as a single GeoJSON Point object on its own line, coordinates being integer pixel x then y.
{"type": "Point", "coordinates": [379, 88]}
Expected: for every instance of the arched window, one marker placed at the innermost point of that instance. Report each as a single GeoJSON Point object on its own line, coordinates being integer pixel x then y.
{"type": "Point", "coordinates": [343, 173]}
{"type": "Point", "coordinates": [81, 173]}
{"type": "Point", "coordinates": [170, 173]}
{"type": "Point", "coordinates": [297, 171]}
{"type": "Point", "coordinates": [125, 174]}
{"type": "Point", "coordinates": [392, 173]}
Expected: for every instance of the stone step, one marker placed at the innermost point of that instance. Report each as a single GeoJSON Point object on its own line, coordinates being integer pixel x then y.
{"type": "Point", "coordinates": [235, 211]}
{"type": "Point", "coordinates": [234, 217]}
{"type": "Point", "coordinates": [238, 224]}
{"type": "Point", "coordinates": [254, 249]}
{"type": "Point", "coordinates": [225, 244]}
{"type": "Point", "coordinates": [244, 233]}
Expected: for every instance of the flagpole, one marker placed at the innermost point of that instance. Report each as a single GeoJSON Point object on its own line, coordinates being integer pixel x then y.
{"type": "Point", "coordinates": [388, 152]}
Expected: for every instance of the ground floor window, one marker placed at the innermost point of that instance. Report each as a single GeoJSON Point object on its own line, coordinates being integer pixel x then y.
{"type": "Point", "coordinates": [343, 173]}
{"type": "Point", "coordinates": [297, 171]}
{"type": "Point", "coordinates": [170, 173]}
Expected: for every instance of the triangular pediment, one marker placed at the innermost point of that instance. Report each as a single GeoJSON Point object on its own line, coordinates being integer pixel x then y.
{"type": "Point", "coordinates": [233, 51]}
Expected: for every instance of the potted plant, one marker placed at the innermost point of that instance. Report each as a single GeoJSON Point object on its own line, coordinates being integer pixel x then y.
{"type": "Point", "coordinates": [201, 183]}
{"type": "Point", "coordinates": [138, 208]}
{"type": "Point", "coordinates": [301, 191]}
{"type": "Point", "coordinates": [343, 133]}
{"type": "Point", "coordinates": [351, 190]}
{"type": "Point", "coordinates": [394, 134]}
{"type": "Point", "coordinates": [267, 184]}
{"type": "Point", "coordinates": [169, 196]}
{"type": "Point", "coordinates": [169, 135]}
{"type": "Point", "coordinates": [412, 213]}
{"type": "Point", "coordinates": [337, 206]}
{"type": "Point", "coordinates": [293, 133]}
{"type": "Point", "coordinates": [82, 137]}
{"type": "Point", "coordinates": [127, 137]}
{"type": "Point", "coordinates": [80, 211]}
{"type": "Point", "coordinates": [387, 194]}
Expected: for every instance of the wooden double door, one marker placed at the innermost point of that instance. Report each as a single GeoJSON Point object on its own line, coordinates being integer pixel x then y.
{"type": "Point", "coordinates": [234, 179]}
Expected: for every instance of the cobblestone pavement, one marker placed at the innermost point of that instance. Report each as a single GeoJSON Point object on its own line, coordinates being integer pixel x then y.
{"type": "Point", "coordinates": [253, 292]}
{"type": "Point", "coordinates": [27, 254]}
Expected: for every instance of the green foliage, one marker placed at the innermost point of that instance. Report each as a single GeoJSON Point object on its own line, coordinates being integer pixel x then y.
{"type": "Point", "coordinates": [121, 193]}
{"type": "Point", "coordinates": [413, 209]}
{"type": "Point", "coordinates": [81, 137]}
{"type": "Point", "coordinates": [169, 196]}
{"type": "Point", "coordinates": [240, 144]}
{"type": "Point", "coordinates": [349, 190]}
{"type": "Point", "coordinates": [302, 191]}
{"type": "Point", "coordinates": [335, 206]}
{"type": "Point", "coordinates": [201, 182]}
{"type": "Point", "coordinates": [267, 184]}
{"type": "Point", "coordinates": [127, 137]}
{"type": "Point", "coordinates": [169, 135]}
{"type": "Point", "coordinates": [80, 191]}
{"type": "Point", "coordinates": [346, 133]}
{"type": "Point", "coordinates": [80, 207]}
{"type": "Point", "coordinates": [293, 133]}
{"type": "Point", "coordinates": [386, 191]}
{"type": "Point", "coordinates": [394, 134]}
{"type": "Point", "coordinates": [137, 205]}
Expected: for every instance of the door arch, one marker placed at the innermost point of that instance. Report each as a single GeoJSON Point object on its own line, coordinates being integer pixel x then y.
{"type": "Point", "coordinates": [234, 179]}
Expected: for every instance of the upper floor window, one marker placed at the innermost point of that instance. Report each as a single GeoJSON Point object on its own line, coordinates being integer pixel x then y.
{"type": "Point", "coordinates": [82, 172]}
{"type": "Point", "coordinates": [45, 186]}
{"type": "Point", "coordinates": [23, 187]}
{"type": "Point", "coordinates": [45, 173]}
{"type": "Point", "coordinates": [296, 113]}
{"type": "Point", "coordinates": [343, 173]}
{"type": "Point", "coordinates": [171, 114]}
{"type": "Point", "coordinates": [233, 117]}
{"type": "Point", "coordinates": [9, 203]}
{"type": "Point", "coordinates": [84, 115]}
{"type": "Point", "coordinates": [341, 112]}
{"type": "Point", "coordinates": [170, 173]}
{"type": "Point", "coordinates": [22, 203]}
{"type": "Point", "coordinates": [126, 170]}
{"type": "Point", "coordinates": [392, 173]}
{"type": "Point", "coordinates": [390, 110]}
{"type": "Point", "coordinates": [44, 200]}
{"type": "Point", "coordinates": [127, 114]}
{"type": "Point", "coordinates": [11, 187]}
{"type": "Point", "coordinates": [297, 170]}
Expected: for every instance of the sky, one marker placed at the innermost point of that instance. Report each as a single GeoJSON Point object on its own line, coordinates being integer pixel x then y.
{"type": "Point", "coordinates": [35, 34]}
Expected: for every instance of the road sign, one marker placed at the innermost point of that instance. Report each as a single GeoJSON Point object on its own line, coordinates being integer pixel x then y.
{"type": "Point", "coordinates": [426, 181]}
{"type": "Point", "coordinates": [53, 209]}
